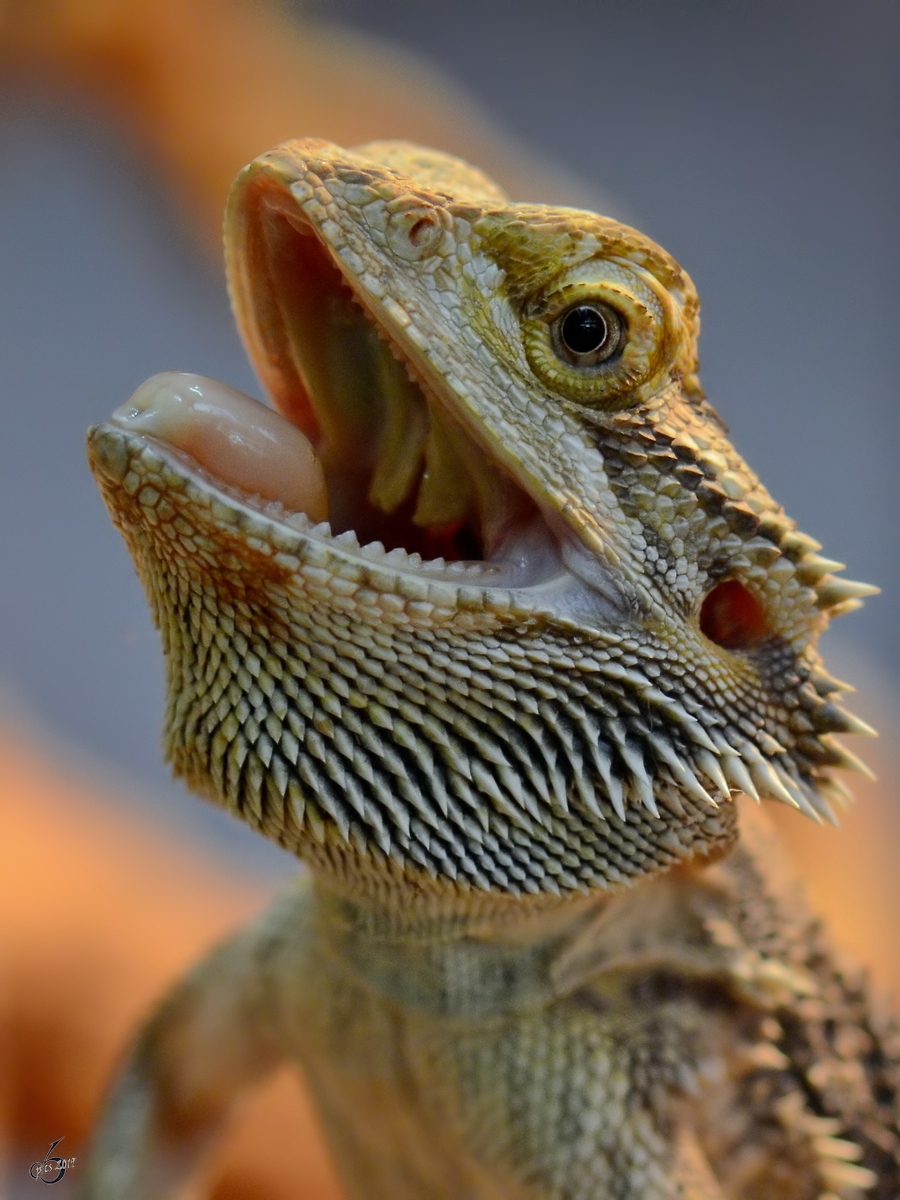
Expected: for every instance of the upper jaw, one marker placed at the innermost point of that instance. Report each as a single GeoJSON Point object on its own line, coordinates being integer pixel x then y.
{"type": "Point", "coordinates": [309, 219]}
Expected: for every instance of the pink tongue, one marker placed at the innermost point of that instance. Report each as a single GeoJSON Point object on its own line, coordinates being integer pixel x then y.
{"type": "Point", "coordinates": [237, 439]}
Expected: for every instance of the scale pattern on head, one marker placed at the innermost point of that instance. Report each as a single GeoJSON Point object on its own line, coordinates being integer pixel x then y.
{"type": "Point", "coordinates": [380, 716]}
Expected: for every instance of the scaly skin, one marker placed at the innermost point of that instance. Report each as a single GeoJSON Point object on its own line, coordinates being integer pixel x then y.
{"type": "Point", "coordinates": [531, 958]}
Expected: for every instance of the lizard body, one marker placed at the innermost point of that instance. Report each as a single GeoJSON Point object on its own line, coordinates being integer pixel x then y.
{"type": "Point", "coordinates": [499, 705]}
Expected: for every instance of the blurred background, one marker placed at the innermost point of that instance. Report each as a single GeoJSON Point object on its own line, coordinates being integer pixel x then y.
{"type": "Point", "coordinates": [757, 140]}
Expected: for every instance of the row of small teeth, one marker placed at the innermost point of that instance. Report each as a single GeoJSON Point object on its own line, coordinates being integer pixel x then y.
{"type": "Point", "coordinates": [374, 551]}
{"type": "Point", "coordinates": [398, 558]}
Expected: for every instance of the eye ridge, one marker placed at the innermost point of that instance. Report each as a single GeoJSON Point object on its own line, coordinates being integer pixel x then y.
{"type": "Point", "coordinates": [588, 334]}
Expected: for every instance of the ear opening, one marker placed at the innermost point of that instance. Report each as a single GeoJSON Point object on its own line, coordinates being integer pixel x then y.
{"type": "Point", "coordinates": [732, 617]}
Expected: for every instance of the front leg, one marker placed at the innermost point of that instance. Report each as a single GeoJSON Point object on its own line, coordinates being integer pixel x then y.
{"type": "Point", "coordinates": [211, 1039]}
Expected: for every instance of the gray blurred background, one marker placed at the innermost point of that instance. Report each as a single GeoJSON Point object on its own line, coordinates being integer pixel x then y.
{"type": "Point", "coordinates": [756, 140]}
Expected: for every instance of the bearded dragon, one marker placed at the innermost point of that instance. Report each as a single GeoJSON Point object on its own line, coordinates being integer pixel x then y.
{"type": "Point", "coordinates": [492, 627]}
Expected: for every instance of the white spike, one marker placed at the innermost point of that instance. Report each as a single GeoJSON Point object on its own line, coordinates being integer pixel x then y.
{"type": "Point", "coordinates": [826, 684]}
{"type": "Point", "coordinates": [539, 778]}
{"type": "Point", "coordinates": [362, 767]}
{"type": "Point", "coordinates": [710, 765]}
{"type": "Point", "coordinates": [354, 794]}
{"type": "Point", "coordinates": [804, 802]}
{"type": "Point", "coordinates": [813, 567]}
{"type": "Point", "coordinates": [614, 790]}
{"type": "Point", "coordinates": [316, 824]}
{"type": "Point", "coordinates": [841, 610]}
{"type": "Point", "coordinates": [670, 791]}
{"type": "Point", "coordinates": [413, 795]}
{"type": "Point", "coordinates": [698, 734]}
{"type": "Point", "coordinates": [591, 736]}
{"type": "Point", "coordinates": [375, 821]}
{"type": "Point", "coordinates": [683, 776]}
{"type": "Point", "coordinates": [613, 669]}
{"type": "Point", "coordinates": [673, 709]}
{"type": "Point", "coordinates": [407, 738]}
{"type": "Point", "coordinates": [769, 746]}
{"type": "Point", "coordinates": [795, 540]}
{"type": "Point", "coordinates": [645, 792]}
{"type": "Point", "coordinates": [738, 775]}
{"type": "Point", "coordinates": [486, 782]}
{"type": "Point", "coordinates": [839, 793]}
{"type": "Point", "coordinates": [761, 551]}
{"type": "Point", "coordinates": [832, 591]}
{"type": "Point", "coordinates": [553, 775]}
{"type": "Point", "coordinates": [510, 779]}
{"type": "Point", "coordinates": [297, 803]}
{"type": "Point", "coordinates": [388, 801]}
{"type": "Point", "coordinates": [851, 723]}
{"type": "Point", "coordinates": [309, 772]}
{"type": "Point", "coordinates": [734, 767]}
{"type": "Point", "coordinates": [635, 763]}
{"type": "Point", "coordinates": [588, 798]}
{"type": "Point", "coordinates": [473, 800]}
{"type": "Point", "coordinates": [768, 782]}
{"type": "Point", "coordinates": [583, 784]}
{"type": "Point", "coordinates": [820, 803]}
{"type": "Point", "coordinates": [436, 731]}
{"type": "Point", "coordinates": [847, 761]}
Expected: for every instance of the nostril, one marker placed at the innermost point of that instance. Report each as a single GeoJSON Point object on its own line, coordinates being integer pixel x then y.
{"type": "Point", "coordinates": [421, 231]}
{"type": "Point", "coordinates": [414, 233]}
{"type": "Point", "coordinates": [732, 617]}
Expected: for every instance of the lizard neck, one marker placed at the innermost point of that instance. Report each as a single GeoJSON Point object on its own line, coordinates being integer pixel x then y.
{"type": "Point", "coordinates": [481, 954]}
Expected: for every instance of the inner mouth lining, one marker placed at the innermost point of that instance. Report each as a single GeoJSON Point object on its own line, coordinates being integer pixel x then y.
{"type": "Point", "coordinates": [399, 468]}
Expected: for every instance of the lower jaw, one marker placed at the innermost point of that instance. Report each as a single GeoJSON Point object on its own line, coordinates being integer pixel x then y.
{"type": "Point", "coordinates": [251, 451]}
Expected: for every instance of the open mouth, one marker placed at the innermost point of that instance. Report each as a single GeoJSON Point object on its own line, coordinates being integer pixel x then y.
{"type": "Point", "coordinates": [357, 438]}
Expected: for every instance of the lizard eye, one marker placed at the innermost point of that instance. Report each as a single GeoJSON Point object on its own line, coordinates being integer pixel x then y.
{"type": "Point", "coordinates": [588, 334]}
{"type": "Point", "coordinates": [605, 334]}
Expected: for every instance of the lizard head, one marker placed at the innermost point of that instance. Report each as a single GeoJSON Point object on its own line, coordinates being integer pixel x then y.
{"type": "Point", "coordinates": [553, 621]}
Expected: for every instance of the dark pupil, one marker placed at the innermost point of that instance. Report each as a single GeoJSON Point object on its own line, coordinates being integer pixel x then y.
{"type": "Point", "coordinates": [584, 330]}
